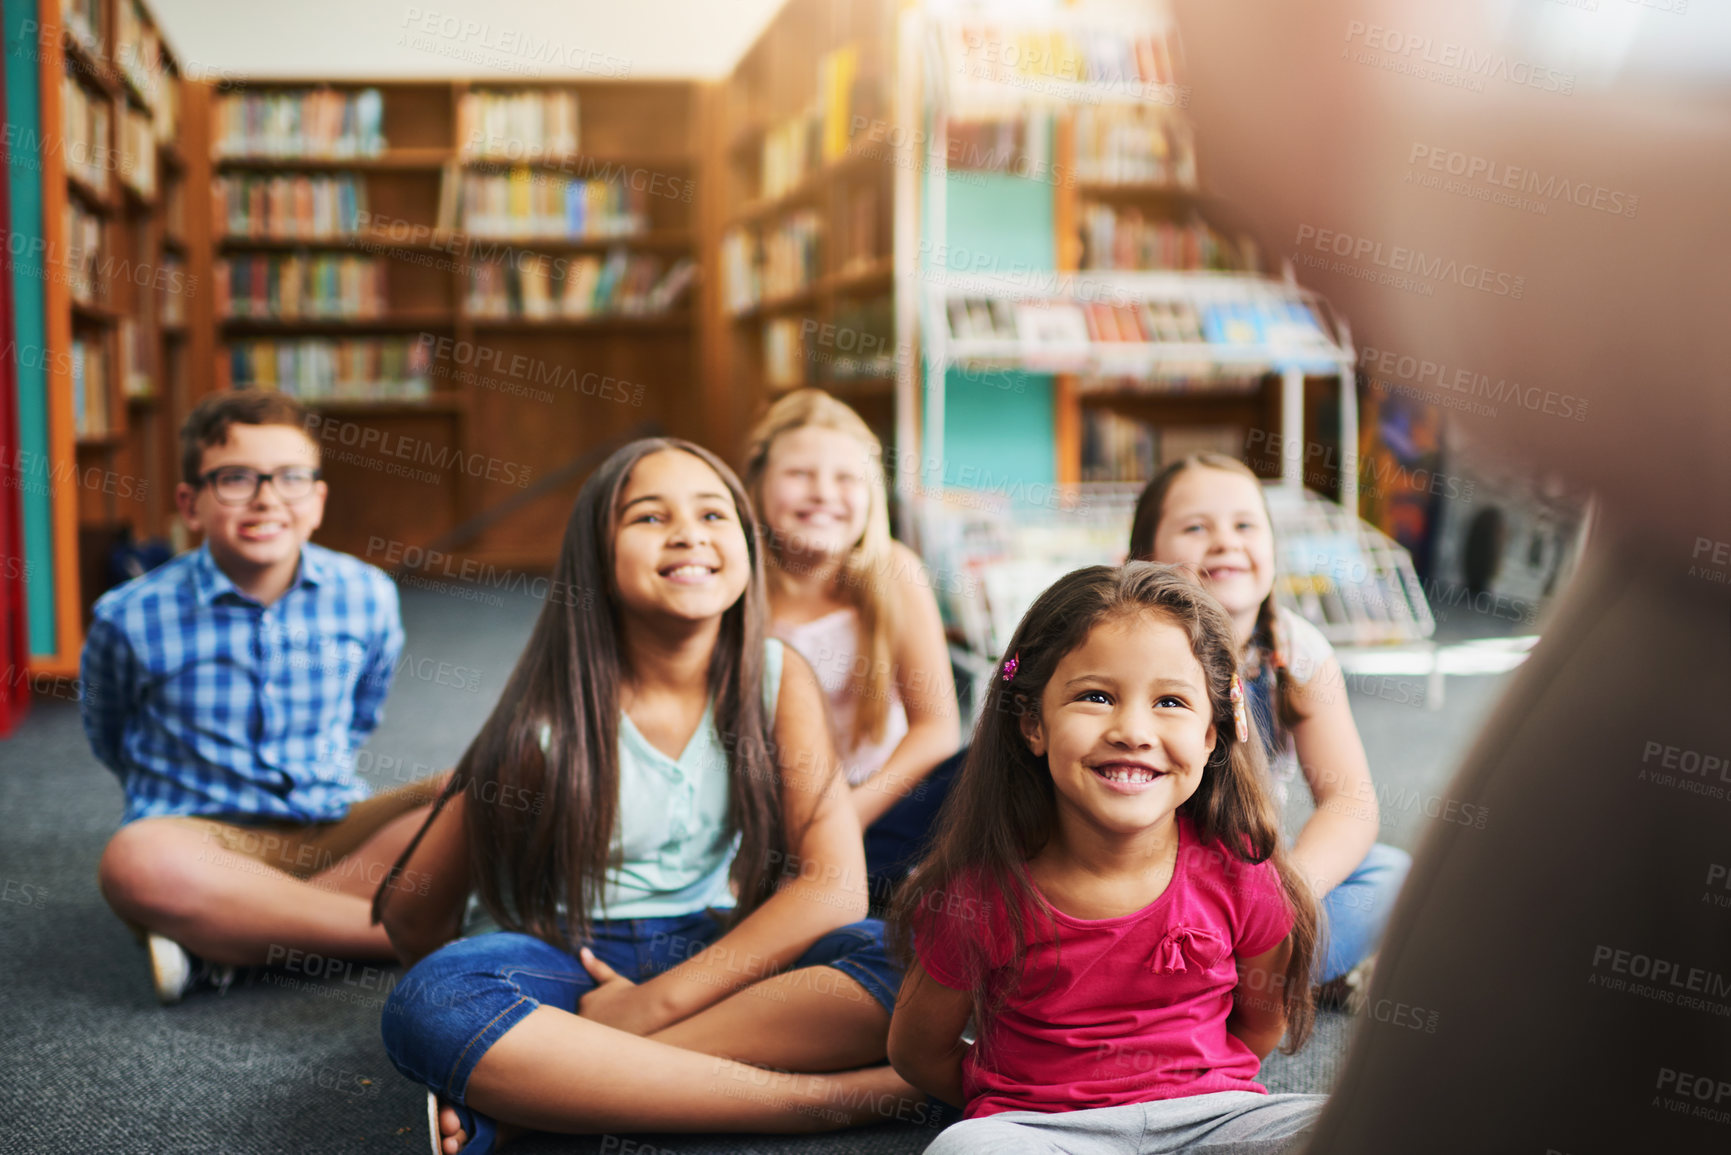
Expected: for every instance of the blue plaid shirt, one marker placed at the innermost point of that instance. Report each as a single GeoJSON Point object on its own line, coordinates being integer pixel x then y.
{"type": "Point", "coordinates": [205, 702]}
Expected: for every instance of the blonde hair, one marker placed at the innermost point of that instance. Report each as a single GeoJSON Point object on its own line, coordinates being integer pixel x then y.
{"type": "Point", "coordinates": [864, 577]}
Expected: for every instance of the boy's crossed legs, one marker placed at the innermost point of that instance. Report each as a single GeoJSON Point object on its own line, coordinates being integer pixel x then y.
{"type": "Point", "coordinates": [248, 894]}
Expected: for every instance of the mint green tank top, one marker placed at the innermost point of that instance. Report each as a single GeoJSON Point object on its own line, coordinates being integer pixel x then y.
{"type": "Point", "coordinates": [671, 840]}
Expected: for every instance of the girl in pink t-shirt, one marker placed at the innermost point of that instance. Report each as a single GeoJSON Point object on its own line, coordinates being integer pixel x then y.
{"type": "Point", "coordinates": [1107, 897]}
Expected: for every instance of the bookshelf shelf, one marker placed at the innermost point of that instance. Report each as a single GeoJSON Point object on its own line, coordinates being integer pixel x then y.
{"type": "Point", "coordinates": [661, 241]}
{"type": "Point", "coordinates": [386, 406]}
{"type": "Point", "coordinates": [810, 189]}
{"type": "Point", "coordinates": [134, 94]}
{"type": "Point", "coordinates": [127, 331]}
{"type": "Point", "coordinates": [873, 275]}
{"type": "Point", "coordinates": [1135, 189]}
{"type": "Point", "coordinates": [392, 160]}
{"type": "Point", "coordinates": [622, 322]}
{"type": "Point", "coordinates": [86, 193]}
{"type": "Point", "coordinates": [493, 375]}
{"type": "Point", "coordinates": [775, 306]}
{"type": "Point", "coordinates": [87, 60]}
{"type": "Point", "coordinates": [89, 313]}
{"type": "Point", "coordinates": [803, 202]}
{"type": "Point", "coordinates": [581, 165]}
{"type": "Point", "coordinates": [390, 322]}
{"type": "Point", "coordinates": [365, 242]}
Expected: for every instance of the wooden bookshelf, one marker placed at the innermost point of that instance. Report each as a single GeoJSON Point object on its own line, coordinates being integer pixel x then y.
{"type": "Point", "coordinates": [112, 449]}
{"type": "Point", "coordinates": [848, 191]}
{"type": "Point", "coordinates": [508, 397]}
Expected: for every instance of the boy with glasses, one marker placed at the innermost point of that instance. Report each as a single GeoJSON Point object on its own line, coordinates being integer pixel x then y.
{"type": "Point", "coordinates": [229, 690]}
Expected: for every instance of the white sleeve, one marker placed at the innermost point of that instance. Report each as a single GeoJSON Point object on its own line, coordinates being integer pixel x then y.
{"type": "Point", "coordinates": [1307, 649]}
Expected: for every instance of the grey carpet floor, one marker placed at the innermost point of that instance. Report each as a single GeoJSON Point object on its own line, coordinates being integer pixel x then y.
{"type": "Point", "coordinates": [93, 1065]}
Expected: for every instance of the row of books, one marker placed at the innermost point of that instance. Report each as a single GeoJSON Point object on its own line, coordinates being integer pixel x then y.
{"type": "Point", "coordinates": [1031, 54]}
{"type": "Point", "coordinates": [172, 304]}
{"type": "Point", "coordinates": [1286, 325]}
{"type": "Point", "coordinates": [781, 260]}
{"type": "Point", "coordinates": [1115, 237]}
{"type": "Point", "coordinates": [135, 358]}
{"type": "Point", "coordinates": [139, 56]}
{"type": "Point", "coordinates": [587, 286]}
{"type": "Point", "coordinates": [317, 368]}
{"type": "Point", "coordinates": [862, 226]}
{"type": "Point", "coordinates": [302, 207]}
{"type": "Point", "coordinates": [1060, 322]}
{"type": "Point", "coordinates": [83, 18]}
{"type": "Point", "coordinates": [319, 122]}
{"type": "Point", "coordinates": [1119, 448]}
{"type": "Point", "coordinates": [525, 203]}
{"type": "Point", "coordinates": [1017, 144]}
{"type": "Point", "coordinates": [90, 403]}
{"type": "Point", "coordinates": [1134, 144]}
{"type": "Point", "coordinates": [83, 253]}
{"type": "Point", "coordinates": [523, 125]}
{"type": "Point", "coordinates": [84, 123]}
{"type": "Point", "coordinates": [854, 346]}
{"type": "Point", "coordinates": [863, 345]}
{"type": "Point", "coordinates": [174, 210]}
{"type": "Point", "coordinates": [138, 152]}
{"type": "Point", "coordinates": [292, 286]}
{"type": "Point", "coordinates": [820, 135]}
{"type": "Point", "coordinates": [784, 353]}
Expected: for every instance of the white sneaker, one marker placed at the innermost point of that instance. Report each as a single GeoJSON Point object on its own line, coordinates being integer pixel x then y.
{"type": "Point", "coordinates": [174, 971]}
{"type": "Point", "coordinates": [170, 968]}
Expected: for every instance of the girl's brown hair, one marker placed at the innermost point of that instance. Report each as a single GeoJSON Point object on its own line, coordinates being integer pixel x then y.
{"type": "Point", "coordinates": [865, 575]}
{"type": "Point", "coordinates": [1002, 809]}
{"type": "Point", "coordinates": [540, 825]}
{"type": "Point", "coordinates": [1267, 639]}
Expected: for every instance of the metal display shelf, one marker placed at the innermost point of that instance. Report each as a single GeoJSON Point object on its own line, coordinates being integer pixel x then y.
{"type": "Point", "coordinates": [931, 90]}
{"type": "Point", "coordinates": [1356, 585]}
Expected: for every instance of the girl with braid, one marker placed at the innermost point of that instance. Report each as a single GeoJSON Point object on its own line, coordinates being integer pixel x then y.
{"type": "Point", "coordinates": [1207, 513]}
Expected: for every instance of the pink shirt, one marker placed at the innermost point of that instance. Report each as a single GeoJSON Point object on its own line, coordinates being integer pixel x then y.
{"type": "Point", "coordinates": [1119, 1010]}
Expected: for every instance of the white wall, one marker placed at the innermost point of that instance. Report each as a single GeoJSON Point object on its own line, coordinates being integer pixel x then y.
{"type": "Point", "coordinates": [527, 39]}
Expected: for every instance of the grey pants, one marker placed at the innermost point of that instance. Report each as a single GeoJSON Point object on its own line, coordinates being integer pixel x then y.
{"type": "Point", "coordinates": [1224, 1123]}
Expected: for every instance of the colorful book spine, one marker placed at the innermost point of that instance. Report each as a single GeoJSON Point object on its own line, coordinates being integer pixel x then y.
{"type": "Point", "coordinates": [531, 124]}
{"type": "Point", "coordinates": [319, 122]}
{"type": "Point", "coordinates": [524, 203]}
{"type": "Point", "coordinates": [84, 253]}
{"type": "Point", "coordinates": [280, 207]}
{"type": "Point", "coordinates": [289, 287]}
{"type": "Point", "coordinates": [316, 369]}
{"type": "Point", "coordinates": [584, 286]}
{"type": "Point", "coordinates": [84, 122]}
{"type": "Point", "coordinates": [1122, 238]}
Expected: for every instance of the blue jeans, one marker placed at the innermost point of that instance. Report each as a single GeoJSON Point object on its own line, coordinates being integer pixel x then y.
{"type": "Point", "coordinates": [461, 999]}
{"type": "Point", "coordinates": [1357, 910]}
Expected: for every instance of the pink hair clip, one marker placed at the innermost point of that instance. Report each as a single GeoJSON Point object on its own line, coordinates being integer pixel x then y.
{"type": "Point", "coordinates": [1240, 720]}
{"type": "Point", "coordinates": [1011, 664]}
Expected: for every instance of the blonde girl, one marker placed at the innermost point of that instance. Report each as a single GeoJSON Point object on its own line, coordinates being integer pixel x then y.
{"type": "Point", "coordinates": [859, 607]}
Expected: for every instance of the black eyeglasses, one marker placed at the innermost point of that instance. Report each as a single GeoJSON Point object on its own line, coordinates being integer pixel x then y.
{"type": "Point", "coordinates": [240, 484]}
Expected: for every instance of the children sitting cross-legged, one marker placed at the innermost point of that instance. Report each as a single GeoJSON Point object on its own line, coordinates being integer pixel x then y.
{"type": "Point", "coordinates": [652, 814]}
{"type": "Point", "coordinates": [229, 689]}
{"type": "Point", "coordinates": [1108, 898]}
